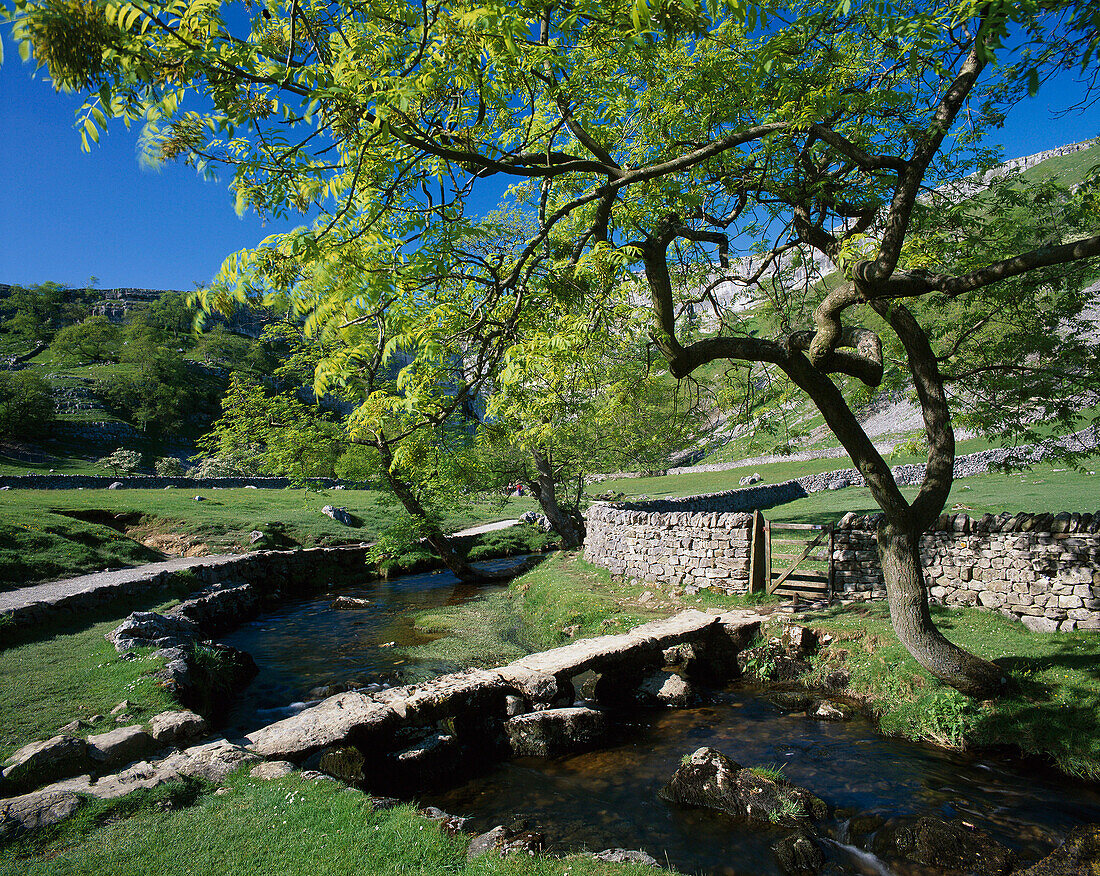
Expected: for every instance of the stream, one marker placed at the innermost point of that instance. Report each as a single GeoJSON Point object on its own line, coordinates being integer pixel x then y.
{"type": "Point", "coordinates": [608, 798]}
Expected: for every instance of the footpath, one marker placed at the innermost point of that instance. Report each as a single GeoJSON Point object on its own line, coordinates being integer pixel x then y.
{"type": "Point", "coordinates": [69, 595]}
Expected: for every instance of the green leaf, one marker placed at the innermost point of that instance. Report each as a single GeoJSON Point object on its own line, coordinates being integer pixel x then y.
{"type": "Point", "coordinates": [1032, 82]}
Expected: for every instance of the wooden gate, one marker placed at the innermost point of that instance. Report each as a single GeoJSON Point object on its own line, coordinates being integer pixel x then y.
{"type": "Point", "coordinates": [791, 559]}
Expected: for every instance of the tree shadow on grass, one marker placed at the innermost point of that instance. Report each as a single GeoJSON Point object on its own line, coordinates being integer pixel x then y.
{"type": "Point", "coordinates": [1055, 710]}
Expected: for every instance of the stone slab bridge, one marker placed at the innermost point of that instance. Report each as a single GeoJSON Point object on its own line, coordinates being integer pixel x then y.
{"type": "Point", "coordinates": [413, 735]}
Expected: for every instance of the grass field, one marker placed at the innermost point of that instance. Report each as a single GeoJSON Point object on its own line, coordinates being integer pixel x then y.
{"type": "Point", "coordinates": [288, 826]}
{"type": "Point", "coordinates": [48, 534]}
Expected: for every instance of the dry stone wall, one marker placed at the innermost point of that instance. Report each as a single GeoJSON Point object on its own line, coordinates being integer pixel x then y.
{"type": "Point", "coordinates": [690, 549]}
{"type": "Point", "coordinates": [1042, 569]}
{"type": "Point", "coordinates": [154, 482]}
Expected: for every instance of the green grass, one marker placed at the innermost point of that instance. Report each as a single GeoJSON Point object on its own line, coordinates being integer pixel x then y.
{"type": "Point", "coordinates": [1055, 713]}
{"type": "Point", "coordinates": [53, 546]}
{"type": "Point", "coordinates": [563, 599]}
{"type": "Point", "coordinates": [1042, 488]}
{"type": "Point", "coordinates": [286, 826]}
{"type": "Point", "coordinates": [42, 539]}
{"type": "Point", "coordinates": [774, 772]}
{"type": "Point", "coordinates": [74, 672]}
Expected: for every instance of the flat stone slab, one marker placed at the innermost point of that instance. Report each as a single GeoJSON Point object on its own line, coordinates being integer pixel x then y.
{"type": "Point", "coordinates": [330, 722]}
{"type": "Point", "coordinates": [585, 654]}
{"type": "Point", "coordinates": [354, 718]}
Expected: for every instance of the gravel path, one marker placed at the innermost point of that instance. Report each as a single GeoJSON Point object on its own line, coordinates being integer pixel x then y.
{"type": "Point", "coordinates": [116, 579]}
{"type": "Point", "coordinates": [126, 580]}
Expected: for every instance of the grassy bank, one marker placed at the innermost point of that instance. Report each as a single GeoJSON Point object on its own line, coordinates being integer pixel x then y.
{"type": "Point", "coordinates": [1053, 714]}
{"type": "Point", "coordinates": [46, 534]}
{"type": "Point", "coordinates": [74, 672]}
{"type": "Point", "coordinates": [255, 827]}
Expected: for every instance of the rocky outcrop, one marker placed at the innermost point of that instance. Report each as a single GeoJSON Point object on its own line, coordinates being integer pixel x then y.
{"type": "Point", "coordinates": [709, 780]}
{"type": "Point", "coordinates": [174, 728]}
{"type": "Point", "coordinates": [121, 746]}
{"type": "Point", "coordinates": [37, 809]}
{"type": "Point", "coordinates": [40, 763]}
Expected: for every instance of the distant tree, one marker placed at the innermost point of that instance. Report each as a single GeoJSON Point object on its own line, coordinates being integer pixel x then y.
{"type": "Point", "coordinates": [576, 398]}
{"type": "Point", "coordinates": [161, 396]}
{"type": "Point", "coordinates": [279, 434]}
{"type": "Point", "coordinates": [121, 461]}
{"type": "Point", "coordinates": [96, 339]}
{"type": "Point", "coordinates": [221, 347]}
{"type": "Point", "coordinates": [27, 406]}
{"type": "Point", "coordinates": [239, 463]}
{"type": "Point", "coordinates": [168, 467]}
{"type": "Point", "coordinates": [170, 313]}
{"type": "Point", "coordinates": [34, 312]}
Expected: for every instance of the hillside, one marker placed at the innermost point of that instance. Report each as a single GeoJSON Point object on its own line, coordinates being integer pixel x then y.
{"type": "Point", "coordinates": [784, 423]}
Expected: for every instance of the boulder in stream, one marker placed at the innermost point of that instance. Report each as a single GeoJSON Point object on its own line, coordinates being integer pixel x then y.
{"type": "Point", "coordinates": [349, 602]}
{"type": "Point", "coordinates": [937, 843]}
{"type": "Point", "coordinates": [555, 731]}
{"type": "Point", "coordinates": [709, 780]}
{"type": "Point", "coordinates": [800, 854]}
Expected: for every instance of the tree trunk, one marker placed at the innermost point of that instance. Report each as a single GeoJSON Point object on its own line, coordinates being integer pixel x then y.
{"type": "Point", "coordinates": [545, 491]}
{"type": "Point", "coordinates": [434, 536]}
{"type": "Point", "coordinates": [903, 572]}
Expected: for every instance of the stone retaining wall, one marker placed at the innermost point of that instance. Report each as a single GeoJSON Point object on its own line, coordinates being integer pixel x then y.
{"type": "Point", "coordinates": [254, 577]}
{"type": "Point", "coordinates": [690, 549]}
{"type": "Point", "coordinates": [1041, 569]}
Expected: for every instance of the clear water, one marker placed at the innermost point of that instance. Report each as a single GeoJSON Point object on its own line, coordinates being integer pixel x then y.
{"type": "Point", "coordinates": [608, 798]}
{"type": "Point", "coordinates": [305, 643]}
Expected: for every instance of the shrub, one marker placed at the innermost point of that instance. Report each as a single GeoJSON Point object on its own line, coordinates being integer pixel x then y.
{"type": "Point", "coordinates": [168, 467]}
{"type": "Point", "coordinates": [27, 405]}
{"type": "Point", "coordinates": [121, 461]}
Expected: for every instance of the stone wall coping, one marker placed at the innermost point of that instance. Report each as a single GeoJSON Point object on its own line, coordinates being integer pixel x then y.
{"type": "Point", "coordinates": [1060, 523]}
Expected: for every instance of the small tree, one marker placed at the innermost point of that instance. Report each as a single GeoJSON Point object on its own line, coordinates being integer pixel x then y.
{"type": "Point", "coordinates": [121, 461]}
{"type": "Point", "coordinates": [168, 467]}
{"type": "Point", "coordinates": [27, 406]}
{"type": "Point", "coordinates": [96, 339]}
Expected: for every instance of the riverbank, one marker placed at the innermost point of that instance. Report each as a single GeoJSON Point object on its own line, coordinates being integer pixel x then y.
{"type": "Point", "coordinates": [1052, 716]}
{"type": "Point", "coordinates": [251, 826]}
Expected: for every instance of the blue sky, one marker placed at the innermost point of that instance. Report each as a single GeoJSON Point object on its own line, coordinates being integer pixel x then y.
{"type": "Point", "coordinates": [70, 215]}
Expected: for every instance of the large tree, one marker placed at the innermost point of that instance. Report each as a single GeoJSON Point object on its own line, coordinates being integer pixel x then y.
{"type": "Point", "coordinates": [649, 140]}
